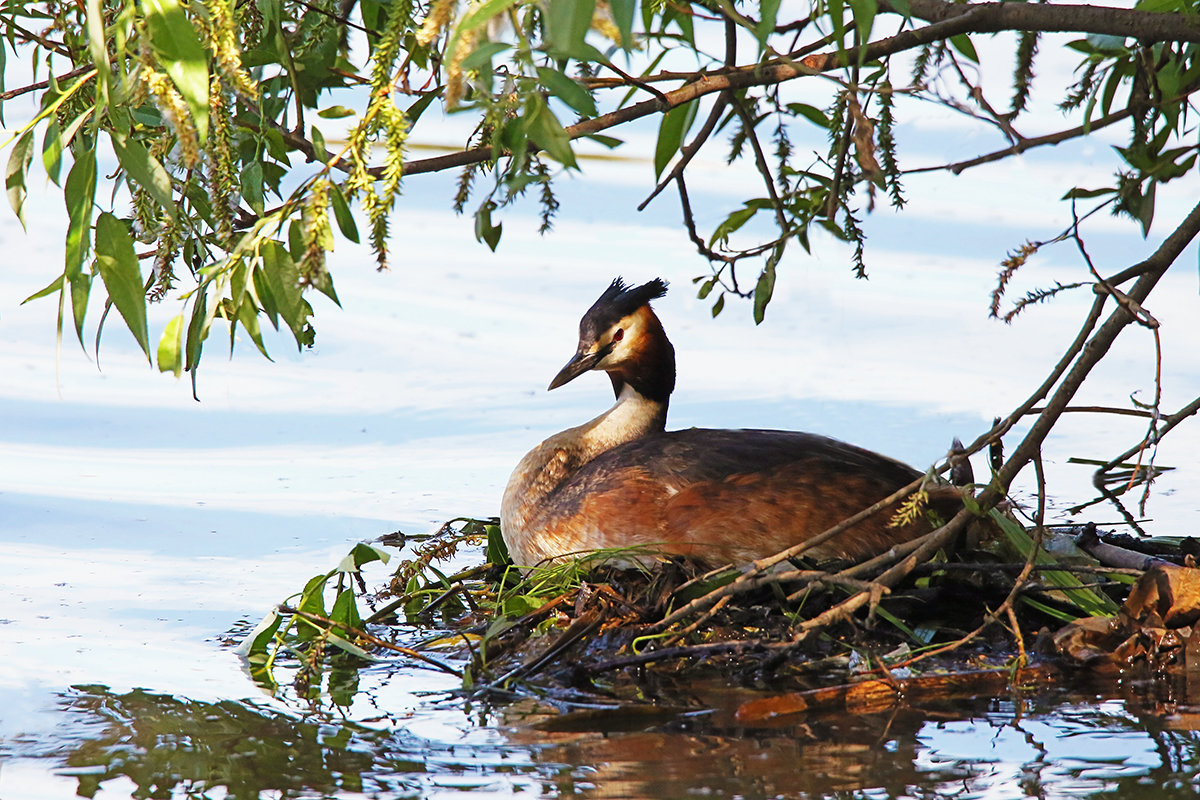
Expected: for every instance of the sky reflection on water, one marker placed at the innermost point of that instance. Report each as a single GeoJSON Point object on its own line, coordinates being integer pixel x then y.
{"type": "Point", "coordinates": [139, 525]}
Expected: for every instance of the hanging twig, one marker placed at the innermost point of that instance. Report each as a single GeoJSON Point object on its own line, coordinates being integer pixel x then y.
{"type": "Point", "coordinates": [760, 161]}
{"type": "Point", "coordinates": [689, 151]}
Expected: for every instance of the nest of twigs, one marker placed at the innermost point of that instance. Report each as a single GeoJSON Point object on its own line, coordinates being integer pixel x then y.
{"type": "Point", "coordinates": [586, 632]}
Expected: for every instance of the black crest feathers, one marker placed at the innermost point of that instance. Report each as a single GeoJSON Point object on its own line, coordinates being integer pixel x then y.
{"type": "Point", "coordinates": [618, 301]}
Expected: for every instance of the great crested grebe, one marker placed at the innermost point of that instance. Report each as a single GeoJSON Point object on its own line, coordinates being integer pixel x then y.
{"type": "Point", "coordinates": [716, 496]}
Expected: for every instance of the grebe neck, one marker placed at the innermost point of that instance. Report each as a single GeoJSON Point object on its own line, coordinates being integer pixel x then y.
{"type": "Point", "coordinates": [633, 416]}
{"type": "Point", "coordinates": [545, 468]}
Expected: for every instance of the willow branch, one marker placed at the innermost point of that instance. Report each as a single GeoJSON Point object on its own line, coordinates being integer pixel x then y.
{"type": "Point", "coordinates": [760, 161]}
{"type": "Point", "coordinates": [1146, 26]}
{"type": "Point", "coordinates": [48, 44]}
{"type": "Point", "coordinates": [35, 87]}
{"type": "Point", "coordinates": [947, 20]}
{"type": "Point", "coordinates": [689, 151]}
{"type": "Point", "coordinates": [689, 222]}
{"type": "Point", "coordinates": [1027, 144]}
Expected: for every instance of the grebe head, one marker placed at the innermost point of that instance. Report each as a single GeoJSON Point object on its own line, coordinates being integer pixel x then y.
{"type": "Point", "coordinates": [621, 335]}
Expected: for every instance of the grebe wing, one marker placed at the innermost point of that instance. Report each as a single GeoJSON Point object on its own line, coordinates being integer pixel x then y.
{"type": "Point", "coordinates": [705, 455]}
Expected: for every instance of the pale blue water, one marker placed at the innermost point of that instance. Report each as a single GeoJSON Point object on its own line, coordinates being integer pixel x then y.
{"type": "Point", "coordinates": [137, 526]}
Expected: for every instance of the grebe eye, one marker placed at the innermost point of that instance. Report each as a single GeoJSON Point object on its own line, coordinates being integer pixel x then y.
{"type": "Point", "coordinates": [619, 335]}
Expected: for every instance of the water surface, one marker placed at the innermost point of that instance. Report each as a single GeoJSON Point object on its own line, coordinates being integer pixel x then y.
{"type": "Point", "coordinates": [139, 527]}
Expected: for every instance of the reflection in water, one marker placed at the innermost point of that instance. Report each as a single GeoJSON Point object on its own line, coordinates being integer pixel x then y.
{"type": "Point", "coordinates": [170, 747]}
{"type": "Point", "coordinates": [1052, 746]}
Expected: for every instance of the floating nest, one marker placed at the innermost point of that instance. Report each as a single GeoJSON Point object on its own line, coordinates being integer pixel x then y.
{"type": "Point", "coordinates": [938, 617]}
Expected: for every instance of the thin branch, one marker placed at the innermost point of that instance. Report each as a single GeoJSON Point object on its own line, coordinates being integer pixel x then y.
{"type": "Point", "coordinates": [1147, 320]}
{"type": "Point", "coordinates": [1171, 421]}
{"type": "Point", "coordinates": [658, 77]}
{"type": "Point", "coordinates": [689, 222]}
{"type": "Point", "coordinates": [953, 20]}
{"type": "Point", "coordinates": [1091, 354]}
{"type": "Point", "coordinates": [1079, 359]}
{"type": "Point", "coordinates": [871, 565]}
{"type": "Point", "coordinates": [34, 87]}
{"type": "Point", "coordinates": [987, 567]}
{"type": "Point", "coordinates": [48, 44]}
{"type": "Point", "coordinates": [760, 161]}
{"type": "Point", "coordinates": [1027, 144]}
{"type": "Point", "coordinates": [1003, 122]}
{"type": "Point", "coordinates": [689, 151]}
{"type": "Point", "coordinates": [1146, 26]}
{"type": "Point", "coordinates": [1121, 412]}
{"type": "Point", "coordinates": [630, 80]}
{"type": "Point", "coordinates": [290, 137]}
{"type": "Point", "coordinates": [342, 18]}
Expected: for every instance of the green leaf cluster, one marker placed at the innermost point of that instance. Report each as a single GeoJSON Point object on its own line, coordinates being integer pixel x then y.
{"type": "Point", "coordinates": [306, 627]}
{"type": "Point", "coordinates": [190, 125]}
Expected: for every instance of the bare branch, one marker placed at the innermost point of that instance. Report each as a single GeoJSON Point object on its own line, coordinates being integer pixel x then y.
{"type": "Point", "coordinates": [689, 222]}
{"type": "Point", "coordinates": [1092, 352]}
{"type": "Point", "coordinates": [1157, 434]}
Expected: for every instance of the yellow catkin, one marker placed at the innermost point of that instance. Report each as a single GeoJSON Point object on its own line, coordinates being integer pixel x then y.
{"type": "Point", "coordinates": [316, 233]}
{"type": "Point", "coordinates": [436, 21]}
{"type": "Point", "coordinates": [602, 23]}
{"type": "Point", "coordinates": [455, 80]}
{"type": "Point", "coordinates": [222, 177]}
{"type": "Point", "coordinates": [167, 249]}
{"type": "Point", "coordinates": [909, 510]}
{"type": "Point", "coordinates": [228, 56]}
{"type": "Point", "coordinates": [175, 112]}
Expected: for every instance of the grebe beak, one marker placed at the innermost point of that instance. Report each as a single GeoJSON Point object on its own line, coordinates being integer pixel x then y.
{"type": "Point", "coordinates": [580, 363]}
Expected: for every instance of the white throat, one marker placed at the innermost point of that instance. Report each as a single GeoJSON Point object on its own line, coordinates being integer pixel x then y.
{"type": "Point", "coordinates": [632, 417]}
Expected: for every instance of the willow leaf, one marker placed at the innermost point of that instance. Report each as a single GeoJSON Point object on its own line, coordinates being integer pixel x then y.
{"type": "Point", "coordinates": [118, 265]}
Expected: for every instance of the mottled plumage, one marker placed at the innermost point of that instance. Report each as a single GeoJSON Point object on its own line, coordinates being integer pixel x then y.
{"type": "Point", "coordinates": [718, 496]}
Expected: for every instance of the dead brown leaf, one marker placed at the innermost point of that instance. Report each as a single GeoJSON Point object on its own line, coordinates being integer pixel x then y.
{"type": "Point", "coordinates": [1153, 626]}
